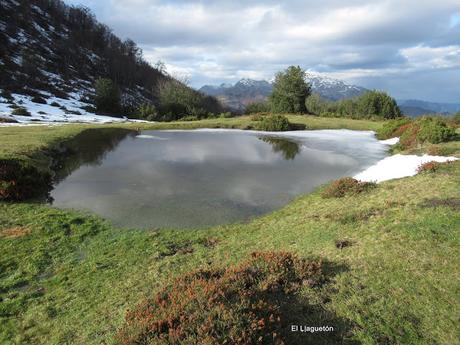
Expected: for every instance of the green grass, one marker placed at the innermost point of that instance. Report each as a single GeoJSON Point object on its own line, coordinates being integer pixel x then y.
{"type": "Point", "coordinates": [69, 277]}
{"type": "Point", "coordinates": [73, 276]}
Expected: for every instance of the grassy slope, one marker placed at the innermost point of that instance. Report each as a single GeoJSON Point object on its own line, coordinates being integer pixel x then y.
{"type": "Point", "coordinates": [71, 277]}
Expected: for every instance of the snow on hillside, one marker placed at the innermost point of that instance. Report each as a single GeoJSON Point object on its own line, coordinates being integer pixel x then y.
{"type": "Point", "coordinates": [55, 110]}
{"type": "Point", "coordinates": [52, 54]}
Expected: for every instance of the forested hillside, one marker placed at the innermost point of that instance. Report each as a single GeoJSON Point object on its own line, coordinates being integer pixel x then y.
{"type": "Point", "coordinates": [51, 52]}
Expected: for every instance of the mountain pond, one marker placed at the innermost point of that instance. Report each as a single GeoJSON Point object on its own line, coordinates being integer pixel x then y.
{"type": "Point", "coordinates": [198, 178]}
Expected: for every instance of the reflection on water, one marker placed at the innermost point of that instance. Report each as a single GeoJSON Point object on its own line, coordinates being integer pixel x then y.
{"type": "Point", "coordinates": [89, 147]}
{"type": "Point", "coordinates": [288, 148]}
{"type": "Point", "coordinates": [201, 178]}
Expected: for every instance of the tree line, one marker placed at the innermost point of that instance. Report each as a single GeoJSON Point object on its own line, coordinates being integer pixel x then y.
{"type": "Point", "coordinates": [292, 95]}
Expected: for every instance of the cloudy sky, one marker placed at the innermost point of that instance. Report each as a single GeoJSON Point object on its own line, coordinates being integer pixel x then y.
{"type": "Point", "coordinates": [410, 48]}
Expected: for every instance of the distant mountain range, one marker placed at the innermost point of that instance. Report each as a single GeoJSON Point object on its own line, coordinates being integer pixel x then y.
{"type": "Point", "coordinates": [414, 107]}
{"type": "Point", "coordinates": [332, 89]}
{"type": "Point", "coordinates": [237, 96]}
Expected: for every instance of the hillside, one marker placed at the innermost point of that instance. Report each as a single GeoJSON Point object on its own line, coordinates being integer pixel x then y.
{"type": "Point", "coordinates": [50, 56]}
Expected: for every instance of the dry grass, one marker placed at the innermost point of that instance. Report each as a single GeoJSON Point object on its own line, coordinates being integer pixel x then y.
{"type": "Point", "coordinates": [15, 232]}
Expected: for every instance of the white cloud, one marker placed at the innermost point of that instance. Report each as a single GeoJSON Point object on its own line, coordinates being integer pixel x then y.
{"type": "Point", "coordinates": [424, 57]}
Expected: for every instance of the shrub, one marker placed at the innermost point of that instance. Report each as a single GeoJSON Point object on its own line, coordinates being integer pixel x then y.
{"type": "Point", "coordinates": [408, 137]}
{"type": "Point", "coordinates": [328, 114]}
{"type": "Point", "coordinates": [257, 107]}
{"type": "Point", "coordinates": [7, 120]}
{"type": "Point", "coordinates": [258, 117]}
{"type": "Point", "coordinates": [390, 128]}
{"type": "Point", "coordinates": [225, 115]}
{"type": "Point", "coordinates": [38, 99]}
{"type": "Point", "coordinates": [177, 100]}
{"type": "Point", "coordinates": [7, 95]}
{"type": "Point", "coordinates": [273, 123]}
{"type": "Point", "coordinates": [429, 167]}
{"type": "Point", "coordinates": [456, 118]}
{"type": "Point", "coordinates": [107, 98]}
{"type": "Point", "coordinates": [19, 181]}
{"type": "Point", "coordinates": [370, 105]}
{"type": "Point", "coordinates": [189, 118]}
{"type": "Point", "coordinates": [21, 111]}
{"type": "Point", "coordinates": [437, 150]}
{"type": "Point", "coordinates": [434, 130]}
{"type": "Point", "coordinates": [377, 103]}
{"type": "Point", "coordinates": [87, 108]}
{"type": "Point", "coordinates": [316, 105]}
{"type": "Point", "coordinates": [242, 304]}
{"type": "Point", "coordinates": [347, 186]}
{"type": "Point", "coordinates": [147, 111]}
{"type": "Point", "coordinates": [55, 104]}
{"type": "Point", "coordinates": [72, 112]}
{"type": "Point", "coordinates": [426, 129]}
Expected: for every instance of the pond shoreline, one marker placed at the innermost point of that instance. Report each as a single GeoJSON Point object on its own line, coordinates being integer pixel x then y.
{"type": "Point", "coordinates": [46, 160]}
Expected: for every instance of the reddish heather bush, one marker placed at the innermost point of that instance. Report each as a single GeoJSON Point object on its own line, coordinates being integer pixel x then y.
{"type": "Point", "coordinates": [399, 131]}
{"type": "Point", "coordinates": [429, 167]}
{"type": "Point", "coordinates": [408, 138]}
{"type": "Point", "coordinates": [424, 130]}
{"type": "Point", "coordinates": [19, 181]}
{"type": "Point", "coordinates": [237, 305]}
{"type": "Point", "coordinates": [347, 186]}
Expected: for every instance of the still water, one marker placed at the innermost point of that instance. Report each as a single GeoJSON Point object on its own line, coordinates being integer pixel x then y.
{"type": "Point", "coordinates": [158, 179]}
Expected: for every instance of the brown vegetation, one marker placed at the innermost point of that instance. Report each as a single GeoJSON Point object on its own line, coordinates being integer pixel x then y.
{"type": "Point", "coordinates": [15, 232]}
{"type": "Point", "coordinates": [242, 304]}
{"type": "Point", "coordinates": [430, 167]}
{"type": "Point", "coordinates": [347, 186]}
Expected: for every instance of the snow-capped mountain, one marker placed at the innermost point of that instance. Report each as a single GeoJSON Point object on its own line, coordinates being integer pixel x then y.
{"type": "Point", "coordinates": [240, 94]}
{"type": "Point", "coordinates": [247, 91]}
{"type": "Point", "coordinates": [332, 89]}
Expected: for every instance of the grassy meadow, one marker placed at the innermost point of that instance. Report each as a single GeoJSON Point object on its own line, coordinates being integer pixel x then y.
{"type": "Point", "coordinates": [69, 277]}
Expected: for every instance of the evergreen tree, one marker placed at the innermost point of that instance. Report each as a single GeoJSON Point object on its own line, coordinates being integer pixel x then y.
{"type": "Point", "coordinates": [315, 104]}
{"type": "Point", "coordinates": [107, 98]}
{"type": "Point", "coordinates": [290, 91]}
{"type": "Point", "coordinates": [377, 103]}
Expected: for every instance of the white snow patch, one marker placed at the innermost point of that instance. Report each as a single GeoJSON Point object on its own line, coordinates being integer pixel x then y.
{"type": "Point", "coordinates": [392, 141]}
{"type": "Point", "coordinates": [146, 136]}
{"type": "Point", "coordinates": [17, 59]}
{"type": "Point", "coordinates": [398, 166]}
{"type": "Point", "coordinates": [49, 114]}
